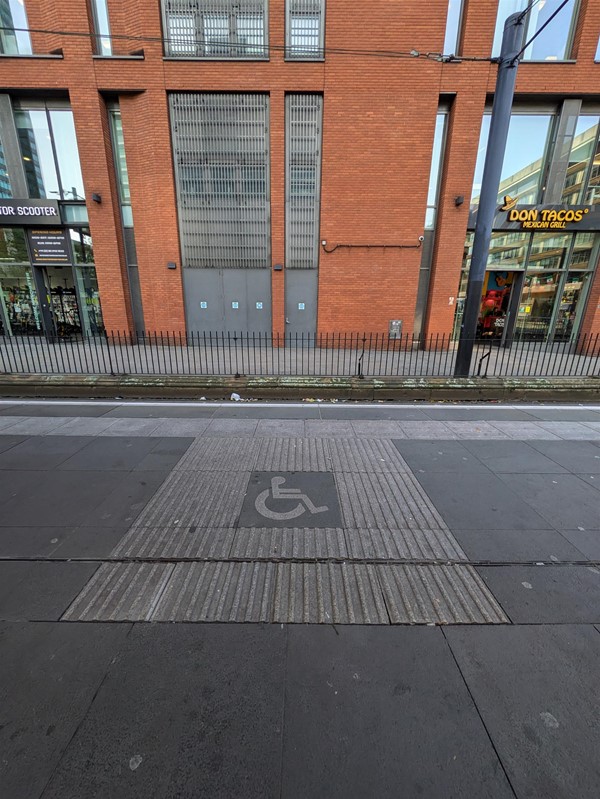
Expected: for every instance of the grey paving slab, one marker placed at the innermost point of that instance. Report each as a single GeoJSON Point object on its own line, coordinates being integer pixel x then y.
{"type": "Point", "coordinates": [280, 427]}
{"type": "Point", "coordinates": [88, 542]}
{"type": "Point", "coordinates": [329, 428]}
{"type": "Point", "coordinates": [220, 455]}
{"type": "Point", "coordinates": [226, 592]}
{"type": "Point", "coordinates": [121, 592]}
{"type": "Point", "coordinates": [176, 542]}
{"type": "Point", "coordinates": [40, 590]}
{"type": "Point", "coordinates": [475, 430]}
{"type": "Point", "coordinates": [593, 425]}
{"type": "Point", "coordinates": [438, 456]}
{"type": "Point", "coordinates": [477, 501]}
{"type": "Point", "coordinates": [49, 409]}
{"type": "Point", "coordinates": [127, 501]}
{"type": "Point", "coordinates": [235, 411]}
{"type": "Point", "coordinates": [83, 426]}
{"type": "Point", "coordinates": [131, 427]}
{"type": "Point", "coordinates": [477, 413]}
{"type": "Point", "coordinates": [591, 479]}
{"type": "Point", "coordinates": [532, 687]}
{"type": "Point", "coordinates": [563, 500]}
{"type": "Point", "coordinates": [165, 455]}
{"type": "Point", "coordinates": [53, 498]}
{"type": "Point", "coordinates": [161, 411]}
{"type": "Point", "coordinates": [513, 457]}
{"type": "Point", "coordinates": [196, 499]}
{"type": "Point", "coordinates": [438, 594]}
{"type": "Point", "coordinates": [365, 455]}
{"type": "Point", "coordinates": [36, 426]}
{"type": "Point", "coordinates": [575, 456]}
{"type": "Point", "coordinates": [181, 427]}
{"type": "Point", "coordinates": [524, 431]}
{"type": "Point", "coordinates": [380, 544]}
{"type": "Point", "coordinates": [312, 500]}
{"type": "Point", "coordinates": [289, 543]}
{"type": "Point", "coordinates": [571, 430]}
{"type": "Point", "coordinates": [433, 430]}
{"type": "Point", "coordinates": [31, 542]}
{"type": "Point", "coordinates": [371, 429]}
{"type": "Point", "coordinates": [294, 455]}
{"type": "Point", "coordinates": [232, 427]}
{"type": "Point", "coordinates": [41, 453]}
{"type": "Point", "coordinates": [586, 541]}
{"type": "Point", "coordinates": [7, 409]}
{"type": "Point", "coordinates": [207, 701]}
{"type": "Point", "coordinates": [111, 454]}
{"type": "Point", "coordinates": [49, 674]}
{"type": "Point", "coordinates": [546, 594]}
{"type": "Point", "coordinates": [320, 593]}
{"type": "Point", "coordinates": [7, 442]}
{"type": "Point", "coordinates": [383, 412]}
{"type": "Point", "coordinates": [566, 414]}
{"type": "Point", "coordinates": [385, 501]}
{"type": "Point", "coordinates": [7, 422]}
{"type": "Point", "coordinates": [513, 546]}
{"type": "Point", "coordinates": [379, 712]}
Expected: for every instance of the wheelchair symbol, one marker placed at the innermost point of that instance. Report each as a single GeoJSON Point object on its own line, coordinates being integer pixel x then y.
{"type": "Point", "coordinates": [304, 502]}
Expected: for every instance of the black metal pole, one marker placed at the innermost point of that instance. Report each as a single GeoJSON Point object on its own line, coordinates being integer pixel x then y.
{"type": "Point", "coordinates": [512, 43]}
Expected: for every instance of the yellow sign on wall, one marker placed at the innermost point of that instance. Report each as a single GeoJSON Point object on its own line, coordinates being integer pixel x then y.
{"type": "Point", "coordinates": [543, 218]}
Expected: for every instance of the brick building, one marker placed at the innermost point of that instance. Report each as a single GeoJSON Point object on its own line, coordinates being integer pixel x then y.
{"type": "Point", "coordinates": [254, 165]}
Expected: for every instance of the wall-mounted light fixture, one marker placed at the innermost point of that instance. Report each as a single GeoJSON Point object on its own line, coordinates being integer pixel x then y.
{"type": "Point", "coordinates": [278, 268]}
{"type": "Point", "coordinates": [171, 265]}
{"type": "Point", "coordinates": [459, 200]}
{"type": "Point", "coordinates": [97, 198]}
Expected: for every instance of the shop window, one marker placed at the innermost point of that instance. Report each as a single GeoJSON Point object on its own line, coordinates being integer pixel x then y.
{"type": "Point", "coordinates": [14, 36]}
{"type": "Point", "coordinates": [101, 27]}
{"type": "Point", "coordinates": [553, 42]}
{"type": "Point", "coordinates": [453, 22]}
{"type": "Point", "coordinates": [435, 172]}
{"type": "Point", "coordinates": [524, 160]}
{"type": "Point", "coordinates": [5, 189]}
{"type": "Point", "coordinates": [50, 155]}
{"type": "Point", "coordinates": [584, 153]}
{"type": "Point", "coordinates": [19, 307]}
{"type": "Point", "coordinates": [549, 251]}
{"type": "Point", "coordinates": [215, 28]}
{"type": "Point", "coordinates": [305, 29]}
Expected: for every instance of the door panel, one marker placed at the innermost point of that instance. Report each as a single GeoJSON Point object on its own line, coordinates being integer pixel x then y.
{"type": "Point", "coordinates": [228, 300]}
{"type": "Point", "coordinates": [301, 294]}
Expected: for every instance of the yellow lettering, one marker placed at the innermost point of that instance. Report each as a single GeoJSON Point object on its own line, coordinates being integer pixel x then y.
{"type": "Point", "coordinates": [514, 215]}
{"type": "Point", "coordinates": [578, 216]}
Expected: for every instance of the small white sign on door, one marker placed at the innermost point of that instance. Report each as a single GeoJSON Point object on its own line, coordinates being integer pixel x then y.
{"type": "Point", "coordinates": [301, 306]}
{"type": "Point", "coordinates": [235, 305]}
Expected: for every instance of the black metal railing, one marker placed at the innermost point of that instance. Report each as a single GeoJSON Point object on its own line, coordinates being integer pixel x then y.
{"type": "Point", "coordinates": [359, 355]}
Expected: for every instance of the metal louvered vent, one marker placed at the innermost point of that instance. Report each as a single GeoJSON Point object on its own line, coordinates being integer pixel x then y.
{"type": "Point", "coordinates": [304, 113]}
{"type": "Point", "coordinates": [305, 29]}
{"type": "Point", "coordinates": [221, 149]}
{"type": "Point", "coordinates": [216, 28]}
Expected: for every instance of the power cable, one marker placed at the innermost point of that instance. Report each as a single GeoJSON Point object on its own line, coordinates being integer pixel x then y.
{"type": "Point", "coordinates": [326, 51]}
{"type": "Point", "coordinates": [541, 28]}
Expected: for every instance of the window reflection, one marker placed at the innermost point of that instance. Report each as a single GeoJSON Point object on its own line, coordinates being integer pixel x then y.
{"type": "Point", "coordinates": [436, 167]}
{"type": "Point", "coordinates": [582, 152]}
{"type": "Point", "coordinates": [524, 160]}
{"type": "Point", "coordinates": [12, 17]}
{"type": "Point", "coordinates": [451, 40]}
{"type": "Point", "coordinates": [553, 41]}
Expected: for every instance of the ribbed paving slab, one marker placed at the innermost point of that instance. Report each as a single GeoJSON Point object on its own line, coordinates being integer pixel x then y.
{"type": "Point", "coordinates": [378, 544]}
{"type": "Point", "coordinates": [220, 455]}
{"type": "Point", "coordinates": [289, 543]}
{"type": "Point", "coordinates": [385, 501]}
{"type": "Point", "coordinates": [365, 455]}
{"type": "Point", "coordinates": [438, 595]}
{"type": "Point", "coordinates": [121, 592]}
{"type": "Point", "coordinates": [294, 455]}
{"type": "Point", "coordinates": [292, 593]}
{"type": "Point", "coordinates": [240, 592]}
{"type": "Point", "coordinates": [196, 499]}
{"type": "Point", "coordinates": [176, 543]}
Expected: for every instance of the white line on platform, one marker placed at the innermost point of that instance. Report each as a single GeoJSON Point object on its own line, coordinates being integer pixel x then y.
{"type": "Point", "coordinates": [324, 403]}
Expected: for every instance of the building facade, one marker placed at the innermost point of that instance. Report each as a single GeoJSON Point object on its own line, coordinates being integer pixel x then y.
{"type": "Point", "coordinates": [293, 166]}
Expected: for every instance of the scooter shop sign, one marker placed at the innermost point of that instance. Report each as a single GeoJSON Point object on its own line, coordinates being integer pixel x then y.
{"type": "Point", "coordinates": [29, 212]}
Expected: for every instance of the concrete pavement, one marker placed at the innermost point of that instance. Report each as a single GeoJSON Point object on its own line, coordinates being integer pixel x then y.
{"type": "Point", "coordinates": [299, 600]}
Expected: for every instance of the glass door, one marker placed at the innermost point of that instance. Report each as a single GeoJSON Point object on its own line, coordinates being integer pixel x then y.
{"type": "Point", "coordinates": [571, 305]}
{"type": "Point", "coordinates": [534, 318]}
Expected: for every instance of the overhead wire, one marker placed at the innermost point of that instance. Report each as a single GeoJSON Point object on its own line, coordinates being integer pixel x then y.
{"type": "Point", "coordinates": [431, 56]}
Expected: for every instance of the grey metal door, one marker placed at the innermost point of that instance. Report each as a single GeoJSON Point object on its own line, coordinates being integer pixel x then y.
{"type": "Point", "coordinates": [301, 293]}
{"type": "Point", "coordinates": [228, 300]}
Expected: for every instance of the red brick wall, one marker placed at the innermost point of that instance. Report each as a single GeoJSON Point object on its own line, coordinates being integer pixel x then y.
{"type": "Point", "coordinates": [379, 117]}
